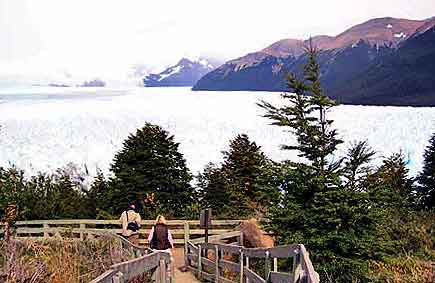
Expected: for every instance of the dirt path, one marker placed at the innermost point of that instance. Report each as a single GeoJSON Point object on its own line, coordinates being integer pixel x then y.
{"type": "Point", "coordinates": [182, 277]}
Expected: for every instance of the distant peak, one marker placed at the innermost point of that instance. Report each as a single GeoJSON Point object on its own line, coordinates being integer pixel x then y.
{"type": "Point", "coordinates": [184, 61]}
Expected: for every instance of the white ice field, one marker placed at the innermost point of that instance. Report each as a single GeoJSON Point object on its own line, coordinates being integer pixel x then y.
{"type": "Point", "coordinates": [43, 129]}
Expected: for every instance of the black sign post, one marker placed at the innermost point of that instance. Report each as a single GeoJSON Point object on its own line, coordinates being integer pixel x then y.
{"type": "Point", "coordinates": [205, 223]}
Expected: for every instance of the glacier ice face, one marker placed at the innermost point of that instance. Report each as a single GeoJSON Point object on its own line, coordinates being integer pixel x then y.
{"type": "Point", "coordinates": [44, 129]}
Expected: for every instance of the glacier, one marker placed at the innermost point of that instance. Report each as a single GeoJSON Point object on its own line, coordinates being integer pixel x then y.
{"type": "Point", "coordinates": [43, 129]}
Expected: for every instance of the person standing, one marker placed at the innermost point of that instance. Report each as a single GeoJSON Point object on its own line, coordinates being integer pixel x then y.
{"type": "Point", "coordinates": [160, 237]}
{"type": "Point", "coordinates": [130, 220]}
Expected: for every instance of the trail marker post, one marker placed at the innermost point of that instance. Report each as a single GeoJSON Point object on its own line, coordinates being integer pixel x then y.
{"type": "Point", "coordinates": [205, 223]}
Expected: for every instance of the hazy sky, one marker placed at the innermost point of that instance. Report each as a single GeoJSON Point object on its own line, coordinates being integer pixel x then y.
{"type": "Point", "coordinates": [106, 37]}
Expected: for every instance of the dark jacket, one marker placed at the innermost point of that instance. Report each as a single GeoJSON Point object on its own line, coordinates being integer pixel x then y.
{"type": "Point", "coordinates": [160, 240]}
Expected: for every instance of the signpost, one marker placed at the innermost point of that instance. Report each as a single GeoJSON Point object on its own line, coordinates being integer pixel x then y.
{"type": "Point", "coordinates": [205, 223]}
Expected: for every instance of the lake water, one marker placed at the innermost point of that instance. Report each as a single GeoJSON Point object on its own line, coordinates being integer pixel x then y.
{"type": "Point", "coordinates": [43, 129]}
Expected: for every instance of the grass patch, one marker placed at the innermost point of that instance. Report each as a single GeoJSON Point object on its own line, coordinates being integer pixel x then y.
{"type": "Point", "coordinates": [58, 261]}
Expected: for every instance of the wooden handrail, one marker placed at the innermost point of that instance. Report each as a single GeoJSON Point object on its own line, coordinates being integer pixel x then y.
{"type": "Point", "coordinates": [197, 258]}
{"type": "Point", "coordinates": [182, 230]}
{"type": "Point", "coordinates": [125, 271]}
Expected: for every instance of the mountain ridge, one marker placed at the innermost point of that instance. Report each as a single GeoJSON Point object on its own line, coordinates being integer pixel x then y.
{"type": "Point", "coordinates": [185, 73]}
{"type": "Point", "coordinates": [342, 58]}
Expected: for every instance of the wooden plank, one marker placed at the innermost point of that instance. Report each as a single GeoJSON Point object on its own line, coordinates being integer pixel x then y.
{"type": "Point", "coordinates": [117, 221]}
{"type": "Point", "coordinates": [162, 271]}
{"type": "Point", "coordinates": [45, 230]}
{"type": "Point", "coordinates": [232, 266]}
{"type": "Point", "coordinates": [241, 267]}
{"type": "Point", "coordinates": [193, 249]}
{"type": "Point", "coordinates": [206, 262]}
{"type": "Point", "coordinates": [279, 277]}
{"type": "Point", "coordinates": [247, 266]}
{"type": "Point", "coordinates": [267, 264]}
{"type": "Point", "coordinates": [307, 266]}
{"type": "Point", "coordinates": [284, 251]}
{"type": "Point", "coordinates": [199, 262]}
{"type": "Point", "coordinates": [216, 259]}
{"type": "Point", "coordinates": [106, 277]}
{"type": "Point", "coordinates": [231, 249]}
{"type": "Point", "coordinates": [275, 252]}
{"type": "Point", "coordinates": [192, 257]}
{"type": "Point", "coordinates": [256, 252]}
{"type": "Point", "coordinates": [253, 277]}
{"type": "Point", "coordinates": [217, 238]}
{"type": "Point", "coordinates": [82, 230]}
{"type": "Point", "coordinates": [275, 264]}
{"type": "Point", "coordinates": [138, 265]}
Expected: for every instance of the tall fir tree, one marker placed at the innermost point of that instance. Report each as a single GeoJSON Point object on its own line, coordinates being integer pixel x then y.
{"type": "Point", "coordinates": [244, 185]}
{"type": "Point", "coordinates": [150, 164]}
{"type": "Point", "coordinates": [390, 185]}
{"type": "Point", "coordinates": [306, 116]}
{"type": "Point", "coordinates": [316, 208]}
{"type": "Point", "coordinates": [96, 196]}
{"type": "Point", "coordinates": [426, 179]}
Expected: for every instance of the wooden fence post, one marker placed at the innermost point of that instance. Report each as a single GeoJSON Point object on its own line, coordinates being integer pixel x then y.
{"type": "Point", "coordinates": [162, 271]}
{"type": "Point", "coordinates": [186, 232]}
{"type": "Point", "coordinates": [186, 240]}
{"type": "Point", "coordinates": [275, 264]}
{"type": "Point", "coordinates": [267, 266]}
{"type": "Point", "coordinates": [296, 268]}
{"type": "Point", "coordinates": [82, 234]}
{"type": "Point", "coordinates": [199, 261]}
{"type": "Point", "coordinates": [216, 251]}
{"type": "Point", "coordinates": [241, 239]}
{"type": "Point", "coordinates": [45, 228]}
{"type": "Point", "coordinates": [247, 266]}
{"type": "Point", "coordinates": [241, 266]}
{"type": "Point", "coordinates": [157, 278]}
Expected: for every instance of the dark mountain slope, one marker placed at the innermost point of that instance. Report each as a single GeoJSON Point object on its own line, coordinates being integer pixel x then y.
{"type": "Point", "coordinates": [344, 59]}
{"type": "Point", "coordinates": [404, 77]}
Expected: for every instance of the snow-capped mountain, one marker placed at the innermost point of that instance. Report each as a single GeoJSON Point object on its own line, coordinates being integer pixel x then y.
{"type": "Point", "coordinates": [343, 58]}
{"type": "Point", "coordinates": [185, 73]}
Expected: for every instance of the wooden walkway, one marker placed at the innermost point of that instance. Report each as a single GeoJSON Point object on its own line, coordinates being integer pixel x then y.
{"type": "Point", "coordinates": [182, 277]}
{"type": "Point", "coordinates": [223, 255]}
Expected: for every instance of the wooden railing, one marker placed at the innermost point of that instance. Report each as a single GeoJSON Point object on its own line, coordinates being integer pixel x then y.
{"type": "Point", "coordinates": [87, 228]}
{"type": "Point", "coordinates": [209, 261]}
{"type": "Point", "coordinates": [156, 262]}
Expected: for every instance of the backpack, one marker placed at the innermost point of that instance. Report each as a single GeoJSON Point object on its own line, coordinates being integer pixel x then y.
{"type": "Point", "coordinates": [132, 226]}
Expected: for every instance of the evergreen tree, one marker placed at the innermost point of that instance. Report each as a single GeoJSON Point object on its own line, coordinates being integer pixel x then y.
{"type": "Point", "coordinates": [96, 196]}
{"type": "Point", "coordinates": [390, 185]}
{"type": "Point", "coordinates": [244, 185]}
{"type": "Point", "coordinates": [12, 184]}
{"type": "Point", "coordinates": [306, 117]}
{"type": "Point", "coordinates": [316, 208]}
{"type": "Point", "coordinates": [150, 163]}
{"type": "Point", "coordinates": [215, 193]}
{"type": "Point", "coordinates": [356, 166]}
{"type": "Point", "coordinates": [426, 179]}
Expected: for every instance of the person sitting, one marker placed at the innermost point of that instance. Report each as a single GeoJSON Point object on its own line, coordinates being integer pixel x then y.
{"type": "Point", "coordinates": [130, 220]}
{"type": "Point", "coordinates": [160, 237]}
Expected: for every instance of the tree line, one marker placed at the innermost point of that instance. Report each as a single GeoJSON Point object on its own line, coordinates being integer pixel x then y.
{"type": "Point", "coordinates": [347, 212]}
